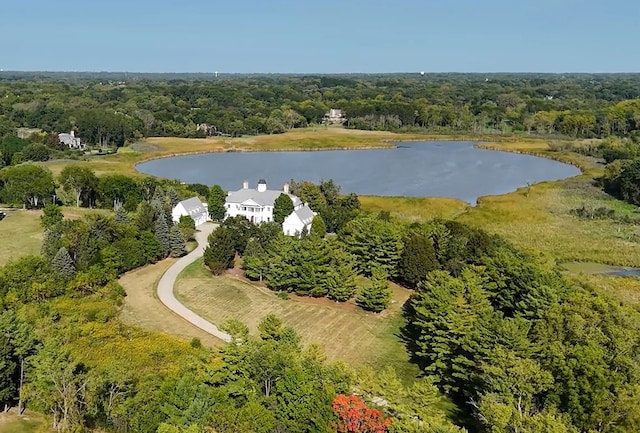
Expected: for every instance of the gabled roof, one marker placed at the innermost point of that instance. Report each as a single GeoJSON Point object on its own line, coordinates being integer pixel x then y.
{"type": "Point", "coordinates": [304, 214]}
{"type": "Point", "coordinates": [264, 198]}
{"type": "Point", "coordinates": [193, 206]}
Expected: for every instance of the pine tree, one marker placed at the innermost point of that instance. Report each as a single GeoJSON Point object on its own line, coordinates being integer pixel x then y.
{"type": "Point", "coordinates": [417, 260]}
{"type": "Point", "coordinates": [63, 264]}
{"type": "Point", "coordinates": [122, 217]}
{"type": "Point", "coordinates": [215, 203]}
{"type": "Point", "coordinates": [177, 242]}
{"type": "Point", "coordinates": [50, 243]}
{"type": "Point", "coordinates": [173, 197]}
{"type": "Point", "coordinates": [376, 296]}
{"type": "Point", "coordinates": [254, 260]}
{"type": "Point", "coordinates": [161, 230]}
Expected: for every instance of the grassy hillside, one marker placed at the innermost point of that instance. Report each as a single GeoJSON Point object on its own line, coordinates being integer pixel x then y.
{"type": "Point", "coordinates": [344, 331]}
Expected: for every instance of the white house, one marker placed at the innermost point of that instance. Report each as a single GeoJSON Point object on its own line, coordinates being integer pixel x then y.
{"type": "Point", "coordinates": [256, 205]}
{"type": "Point", "coordinates": [192, 207]}
{"type": "Point", "coordinates": [299, 220]}
{"type": "Point", "coordinates": [71, 140]}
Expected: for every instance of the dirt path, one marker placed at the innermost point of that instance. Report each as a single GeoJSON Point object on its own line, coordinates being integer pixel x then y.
{"type": "Point", "coordinates": [168, 279]}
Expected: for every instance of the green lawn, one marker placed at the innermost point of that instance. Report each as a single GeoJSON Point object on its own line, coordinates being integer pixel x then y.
{"type": "Point", "coordinates": [344, 331]}
{"type": "Point", "coordinates": [21, 233]}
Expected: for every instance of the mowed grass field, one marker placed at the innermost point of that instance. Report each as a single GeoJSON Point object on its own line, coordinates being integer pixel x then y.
{"type": "Point", "coordinates": [21, 233]}
{"type": "Point", "coordinates": [344, 331]}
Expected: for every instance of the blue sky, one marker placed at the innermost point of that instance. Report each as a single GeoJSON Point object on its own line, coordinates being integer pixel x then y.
{"type": "Point", "coordinates": [321, 36]}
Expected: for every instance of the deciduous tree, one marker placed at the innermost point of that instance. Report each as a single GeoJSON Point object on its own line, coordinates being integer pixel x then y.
{"type": "Point", "coordinates": [282, 208]}
{"type": "Point", "coordinates": [215, 202]}
{"type": "Point", "coordinates": [355, 417]}
{"type": "Point", "coordinates": [81, 180]}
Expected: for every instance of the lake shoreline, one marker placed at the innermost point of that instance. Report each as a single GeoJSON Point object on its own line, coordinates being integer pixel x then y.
{"type": "Point", "coordinates": [431, 169]}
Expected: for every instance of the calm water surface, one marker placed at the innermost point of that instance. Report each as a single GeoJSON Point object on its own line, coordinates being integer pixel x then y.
{"type": "Point", "coordinates": [415, 169]}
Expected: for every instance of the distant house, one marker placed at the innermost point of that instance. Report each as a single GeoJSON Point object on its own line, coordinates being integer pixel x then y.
{"type": "Point", "coordinates": [256, 205]}
{"type": "Point", "coordinates": [299, 220]}
{"type": "Point", "coordinates": [192, 207]}
{"type": "Point", "coordinates": [71, 141]}
{"type": "Point", "coordinates": [334, 116]}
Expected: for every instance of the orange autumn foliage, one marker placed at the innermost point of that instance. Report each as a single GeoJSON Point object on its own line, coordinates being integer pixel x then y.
{"type": "Point", "coordinates": [356, 417]}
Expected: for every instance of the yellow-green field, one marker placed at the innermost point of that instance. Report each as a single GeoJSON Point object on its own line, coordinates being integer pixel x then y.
{"type": "Point", "coordinates": [21, 232]}
{"type": "Point", "coordinates": [29, 422]}
{"type": "Point", "coordinates": [539, 219]}
{"type": "Point", "coordinates": [343, 330]}
{"type": "Point", "coordinates": [415, 208]}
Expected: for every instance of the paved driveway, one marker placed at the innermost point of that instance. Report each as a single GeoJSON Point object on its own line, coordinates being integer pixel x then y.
{"type": "Point", "coordinates": [168, 280]}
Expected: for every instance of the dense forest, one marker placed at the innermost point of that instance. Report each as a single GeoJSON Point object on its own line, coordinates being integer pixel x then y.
{"type": "Point", "coordinates": [115, 108]}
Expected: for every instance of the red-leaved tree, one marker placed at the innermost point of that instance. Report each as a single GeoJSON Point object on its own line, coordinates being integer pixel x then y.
{"type": "Point", "coordinates": [356, 417]}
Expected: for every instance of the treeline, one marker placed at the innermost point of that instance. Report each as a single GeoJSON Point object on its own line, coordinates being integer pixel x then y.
{"type": "Point", "coordinates": [34, 186]}
{"type": "Point", "coordinates": [116, 112]}
{"type": "Point", "coordinates": [621, 178]}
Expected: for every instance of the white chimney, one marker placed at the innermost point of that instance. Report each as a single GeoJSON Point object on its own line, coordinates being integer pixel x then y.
{"type": "Point", "coordinates": [73, 133]}
{"type": "Point", "coordinates": [285, 188]}
{"type": "Point", "coordinates": [245, 184]}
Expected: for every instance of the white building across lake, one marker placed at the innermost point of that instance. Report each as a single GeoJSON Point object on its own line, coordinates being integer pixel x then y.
{"type": "Point", "coordinates": [256, 205]}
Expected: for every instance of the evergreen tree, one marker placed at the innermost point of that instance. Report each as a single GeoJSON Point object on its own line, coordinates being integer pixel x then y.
{"type": "Point", "coordinates": [254, 260]}
{"type": "Point", "coordinates": [122, 217]}
{"type": "Point", "coordinates": [318, 228]}
{"type": "Point", "coordinates": [374, 242]}
{"type": "Point", "coordinates": [417, 260]}
{"type": "Point", "coordinates": [215, 202]}
{"type": "Point", "coordinates": [375, 296]}
{"type": "Point", "coordinates": [63, 264]}
{"type": "Point", "coordinates": [144, 217]}
{"type": "Point", "coordinates": [51, 243]}
{"type": "Point", "coordinates": [219, 254]}
{"type": "Point", "coordinates": [282, 208]}
{"type": "Point", "coordinates": [172, 197]}
{"type": "Point", "coordinates": [161, 231]}
{"type": "Point", "coordinates": [177, 242]}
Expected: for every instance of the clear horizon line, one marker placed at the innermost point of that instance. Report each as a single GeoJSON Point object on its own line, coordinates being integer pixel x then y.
{"type": "Point", "coordinates": [88, 71]}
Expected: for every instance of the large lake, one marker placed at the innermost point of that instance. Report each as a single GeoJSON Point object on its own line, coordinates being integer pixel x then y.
{"type": "Point", "coordinates": [414, 169]}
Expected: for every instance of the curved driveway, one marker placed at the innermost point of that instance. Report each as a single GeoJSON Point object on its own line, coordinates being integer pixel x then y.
{"type": "Point", "coordinates": [168, 280]}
